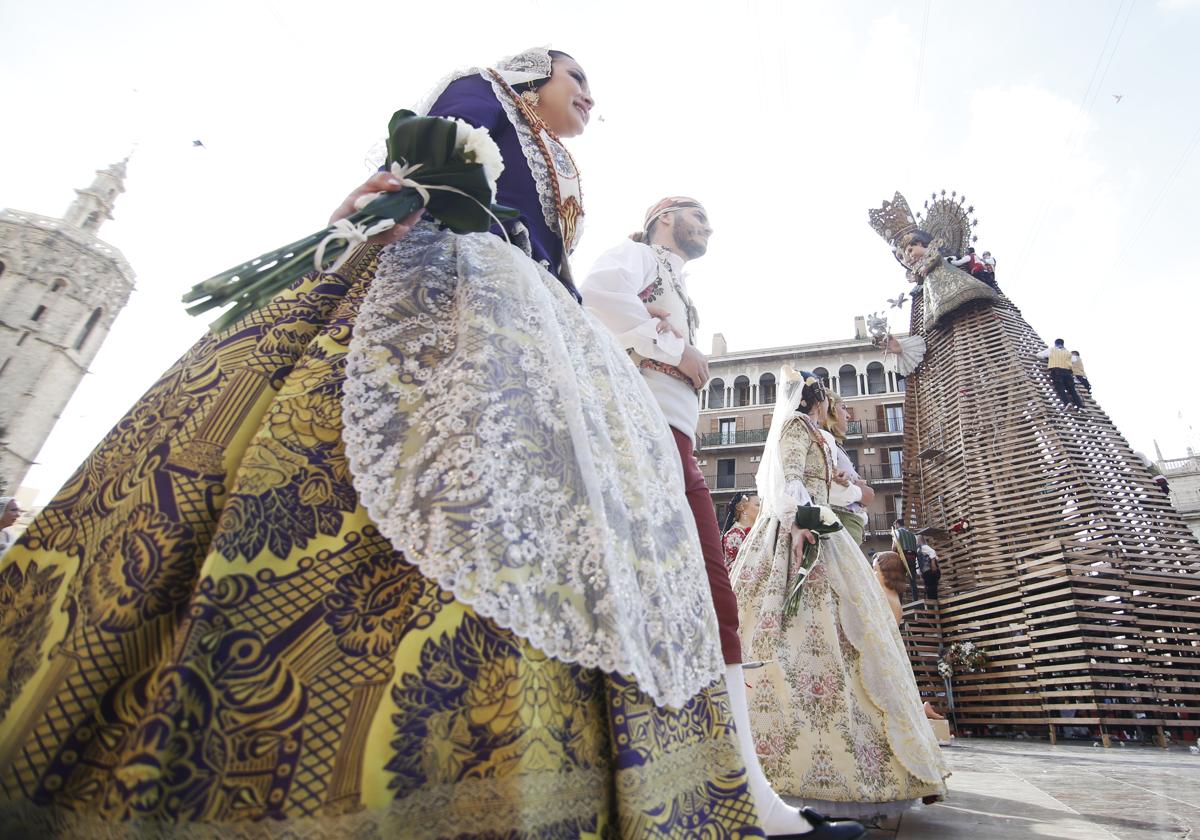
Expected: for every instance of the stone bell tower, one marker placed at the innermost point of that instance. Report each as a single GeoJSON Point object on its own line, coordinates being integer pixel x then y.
{"type": "Point", "coordinates": [61, 288]}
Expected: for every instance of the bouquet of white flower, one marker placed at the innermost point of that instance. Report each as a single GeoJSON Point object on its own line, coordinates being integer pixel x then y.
{"type": "Point", "coordinates": [447, 166]}
{"type": "Point", "coordinates": [962, 656]}
{"type": "Point", "coordinates": [823, 522]}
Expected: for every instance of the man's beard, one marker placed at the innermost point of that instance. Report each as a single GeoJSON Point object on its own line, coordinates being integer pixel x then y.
{"type": "Point", "coordinates": [691, 248]}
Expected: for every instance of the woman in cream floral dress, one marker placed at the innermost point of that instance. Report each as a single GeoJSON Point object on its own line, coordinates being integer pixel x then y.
{"type": "Point", "coordinates": [834, 708]}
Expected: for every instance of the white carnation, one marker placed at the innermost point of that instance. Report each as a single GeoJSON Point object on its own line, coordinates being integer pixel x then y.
{"type": "Point", "coordinates": [828, 517]}
{"type": "Point", "coordinates": [477, 146]}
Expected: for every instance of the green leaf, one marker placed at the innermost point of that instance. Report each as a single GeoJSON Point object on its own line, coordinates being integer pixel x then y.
{"type": "Point", "coordinates": [428, 140]}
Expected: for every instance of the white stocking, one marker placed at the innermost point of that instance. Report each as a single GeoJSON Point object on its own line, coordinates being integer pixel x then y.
{"type": "Point", "coordinates": [777, 816]}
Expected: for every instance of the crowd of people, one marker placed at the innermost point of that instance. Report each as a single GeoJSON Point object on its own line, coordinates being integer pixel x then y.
{"type": "Point", "coordinates": [421, 548]}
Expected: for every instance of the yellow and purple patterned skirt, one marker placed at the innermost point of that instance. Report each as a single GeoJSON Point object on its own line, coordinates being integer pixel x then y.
{"type": "Point", "coordinates": [204, 635]}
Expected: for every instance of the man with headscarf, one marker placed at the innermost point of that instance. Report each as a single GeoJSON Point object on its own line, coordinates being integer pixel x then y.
{"type": "Point", "coordinates": [639, 291]}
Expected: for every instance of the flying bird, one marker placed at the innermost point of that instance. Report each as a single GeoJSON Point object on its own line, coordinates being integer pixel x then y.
{"type": "Point", "coordinates": [198, 144]}
{"type": "Point", "coordinates": [897, 303]}
{"type": "Point", "coordinates": [1118, 97]}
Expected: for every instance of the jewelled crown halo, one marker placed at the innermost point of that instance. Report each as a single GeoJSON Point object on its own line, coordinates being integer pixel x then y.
{"type": "Point", "coordinates": [893, 220]}
{"type": "Point", "coordinates": [947, 218]}
{"type": "Point", "coordinates": [950, 219]}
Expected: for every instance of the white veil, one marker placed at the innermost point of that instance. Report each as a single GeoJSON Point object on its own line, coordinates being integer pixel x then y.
{"type": "Point", "coordinates": [772, 487]}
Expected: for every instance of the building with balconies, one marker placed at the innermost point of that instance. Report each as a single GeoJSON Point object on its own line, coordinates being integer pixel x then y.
{"type": "Point", "coordinates": [739, 398]}
{"type": "Point", "coordinates": [1183, 479]}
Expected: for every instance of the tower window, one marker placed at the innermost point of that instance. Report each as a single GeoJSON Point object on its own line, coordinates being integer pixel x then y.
{"type": "Point", "coordinates": [38, 313]}
{"type": "Point", "coordinates": [87, 329]}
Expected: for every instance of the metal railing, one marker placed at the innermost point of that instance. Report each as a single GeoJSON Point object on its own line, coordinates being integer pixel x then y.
{"type": "Point", "coordinates": [881, 472]}
{"type": "Point", "coordinates": [731, 438]}
{"type": "Point", "coordinates": [880, 523]}
{"type": "Point", "coordinates": [875, 428]}
{"type": "Point", "coordinates": [728, 483]}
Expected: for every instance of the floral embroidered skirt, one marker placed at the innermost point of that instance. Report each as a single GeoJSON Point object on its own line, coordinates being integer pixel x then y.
{"type": "Point", "coordinates": [205, 635]}
{"type": "Point", "coordinates": [835, 709]}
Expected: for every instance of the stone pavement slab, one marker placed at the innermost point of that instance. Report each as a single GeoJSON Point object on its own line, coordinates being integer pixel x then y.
{"type": "Point", "coordinates": [987, 804]}
{"type": "Point", "coordinates": [1010, 789]}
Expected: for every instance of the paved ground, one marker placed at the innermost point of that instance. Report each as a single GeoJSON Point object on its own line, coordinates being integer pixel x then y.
{"type": "Point", "coordinates": [1011, 789]}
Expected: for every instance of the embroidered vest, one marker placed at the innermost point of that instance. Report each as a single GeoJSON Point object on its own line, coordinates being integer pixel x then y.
{"type": "Point", "coordinates": [666, 291]}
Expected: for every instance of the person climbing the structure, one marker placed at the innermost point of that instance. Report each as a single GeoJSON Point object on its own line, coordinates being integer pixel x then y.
{"type": "Point", "coordinates": [1058, 361]}
{"type": "Point", "coordinates": [1078, 371]}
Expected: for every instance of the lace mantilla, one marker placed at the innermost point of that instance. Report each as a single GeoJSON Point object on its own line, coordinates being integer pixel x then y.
{"type": "Point", "coordinates": [500, 438]}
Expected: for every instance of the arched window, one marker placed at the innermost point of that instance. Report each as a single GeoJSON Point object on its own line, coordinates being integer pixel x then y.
{"type": "Point", "coordinates": [848, 381]}
{"type": "Point", "coordinates": [876, 379]}
{"type": "Point", "coordinates": [822, 375]}
{"type": "Point", "coordinates": [58, 285]}
{"type": "Point", "coordinates": [716, 393]}
{"type": "Point", "coordinates": [38, 313]}
{"type": "Point", "coordinates": [766, 389]}
{"type": "Point", "coordinates": [741, 391]}
{"type": "Point", "coordinates": [87, 328]}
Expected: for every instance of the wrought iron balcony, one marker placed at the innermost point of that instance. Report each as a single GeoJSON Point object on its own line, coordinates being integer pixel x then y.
{"type": "Point", "coordinates": [875, 428]}
{"type": "Point", "coordinates": [730, 483]}
{"type": "Point", "coordinates": [881, 473]}
{"type": "Point", "coordinates": [879, 524]}
{"type": "Point", "coordinates": [743, 438]}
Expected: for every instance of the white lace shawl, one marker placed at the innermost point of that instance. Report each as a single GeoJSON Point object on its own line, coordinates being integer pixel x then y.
{"type": "Point", "coordinates": [778, 500]}
{"type": "Point", "coordinates": [499, 437]}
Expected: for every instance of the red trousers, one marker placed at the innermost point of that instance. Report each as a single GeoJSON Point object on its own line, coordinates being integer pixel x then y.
{"type": "Point", "coordinates": [701, 503]}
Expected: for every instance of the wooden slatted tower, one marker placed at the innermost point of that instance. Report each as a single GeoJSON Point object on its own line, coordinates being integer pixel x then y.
{"type": "Point", "coordinates": [1076, 574]}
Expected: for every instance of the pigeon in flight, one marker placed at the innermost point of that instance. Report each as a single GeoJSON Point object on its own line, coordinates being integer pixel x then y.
{"type": "Point", "coordinates": [1118, 97]}
{"type": "Point", "coordinates": [898, 303]}
{"type": "Point", "coordinates": [198, 144]}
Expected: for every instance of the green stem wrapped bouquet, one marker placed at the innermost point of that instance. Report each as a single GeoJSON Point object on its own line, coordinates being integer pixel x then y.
{"type": "Point", "coordinates": [822, 522]}
{"type": "Point", "coordinates": [446, 166]}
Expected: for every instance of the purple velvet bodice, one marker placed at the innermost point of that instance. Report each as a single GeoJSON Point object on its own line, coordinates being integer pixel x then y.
{"type": "Point", "coordinates": [473, 99]}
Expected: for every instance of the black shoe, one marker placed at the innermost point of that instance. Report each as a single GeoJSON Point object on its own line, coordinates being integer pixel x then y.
{"type": "Point", "coordinates": [825, 829]}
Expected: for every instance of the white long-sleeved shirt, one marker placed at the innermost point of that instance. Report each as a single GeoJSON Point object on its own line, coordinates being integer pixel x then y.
{"type": "Point", "coordinates": [612, 292]}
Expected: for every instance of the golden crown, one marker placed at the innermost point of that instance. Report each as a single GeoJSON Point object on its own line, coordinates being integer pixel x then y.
{"type": "Point", "coordinates": [893, 220]}
{"type": "Point", "coordinates": [949, 219]}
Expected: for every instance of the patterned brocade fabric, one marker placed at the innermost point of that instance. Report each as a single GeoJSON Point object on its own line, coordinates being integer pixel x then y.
{"type": "Point", "coordinates": [835, 711]}
{"type": "Point", "coordinates": [205, 635]}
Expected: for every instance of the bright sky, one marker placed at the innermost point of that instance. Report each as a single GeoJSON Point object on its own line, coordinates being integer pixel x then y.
{"type": "Point", "coordinates": [788, 119]}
